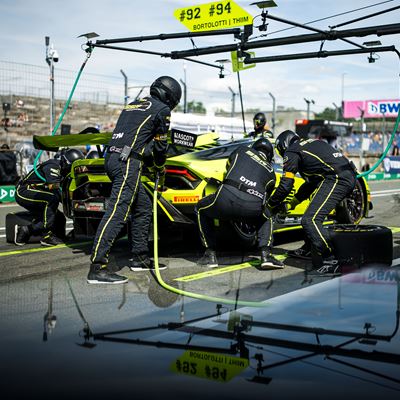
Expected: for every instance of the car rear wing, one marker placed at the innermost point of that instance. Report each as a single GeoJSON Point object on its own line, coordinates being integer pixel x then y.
{"type": "Point", "coordinates": [53, 143]}
{"type": "Point", "coordinates": [177, 137]}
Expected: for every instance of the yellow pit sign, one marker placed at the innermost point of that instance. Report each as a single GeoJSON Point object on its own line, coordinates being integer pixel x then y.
{"type": "Point", "coordinates": [213, 16]}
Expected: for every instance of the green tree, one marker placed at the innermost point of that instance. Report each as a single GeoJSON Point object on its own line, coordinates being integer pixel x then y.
{"type": "Point", "coordinates": [328, 113]}
{"type": "Point", "coordinates": [196, 107]}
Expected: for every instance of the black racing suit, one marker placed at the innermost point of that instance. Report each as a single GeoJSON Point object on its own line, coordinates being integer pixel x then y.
{"type": "Point", "coordinates": [248, 182]}
{"type": "Point", "coordinates": [140, 122]}
{"type": "Point", "coordinates": [39, 197]}
{"type": "Point", "coordinates": [324, 168]}
{"type": "Point", "coordinates": [257, 134]}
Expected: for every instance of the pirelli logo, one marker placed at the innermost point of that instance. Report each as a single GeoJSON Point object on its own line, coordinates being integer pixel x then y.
{"type": "Point", "coordinates": [186, 199]}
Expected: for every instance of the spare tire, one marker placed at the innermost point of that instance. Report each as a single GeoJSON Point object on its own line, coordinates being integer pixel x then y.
{"type": "Point", "coordinates": [361, 245]}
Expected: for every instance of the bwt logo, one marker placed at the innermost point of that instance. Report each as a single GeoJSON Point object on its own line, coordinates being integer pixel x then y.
{"type": "Point", "coordinates": [386, 107]}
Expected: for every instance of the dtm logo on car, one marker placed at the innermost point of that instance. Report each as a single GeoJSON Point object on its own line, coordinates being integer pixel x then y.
{"type": "Point", "coordinates": [247, 182]}
{"type": "Point", "coordinates": [385, 107]}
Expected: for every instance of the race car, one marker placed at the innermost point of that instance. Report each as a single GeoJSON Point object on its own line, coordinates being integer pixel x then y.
{"type": "Point", "coordinates": [194, 166]}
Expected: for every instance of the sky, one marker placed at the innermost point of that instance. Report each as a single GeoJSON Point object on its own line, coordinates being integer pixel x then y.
{"type": "Point", "coordinates": [25, 23]}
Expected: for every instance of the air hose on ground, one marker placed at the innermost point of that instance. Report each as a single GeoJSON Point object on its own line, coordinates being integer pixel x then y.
{"type": "Point", "coordinates": [184, 292]}
{"type": "Point", "coordinates": [88, 54]}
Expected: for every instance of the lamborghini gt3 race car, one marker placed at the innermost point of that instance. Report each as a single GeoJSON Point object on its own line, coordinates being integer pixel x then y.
{"type": "Point", "coordinates": [192, 163]}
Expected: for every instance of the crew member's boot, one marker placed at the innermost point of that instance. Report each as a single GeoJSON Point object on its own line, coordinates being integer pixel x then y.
{"type": "Point", "coordinates": [50, 239]}
{"type": "Point", "coordinates": [22, 234]}
{"type": "Point", "coordinates": [99, 274]}
{"type": "Point", "coordinates": [209, 259]}
{"type": "Point", "coordinates": [327, 265]}
{"type": "Point", "coordinates": [268, 261]}
{"type": "Point", "coordinates": [304, 252]}
{"type": "Point", "coordinates": [142, 262]}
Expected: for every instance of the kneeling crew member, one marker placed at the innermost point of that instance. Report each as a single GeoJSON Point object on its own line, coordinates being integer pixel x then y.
{"type": "Point", "coordinates": [140, 122]}
{"type": "Point", "coordinates": [41, 198]}
{"type": "Point", "coordinates": [249, 180]}
{"type": "Point", "coordinates": [325, 171]}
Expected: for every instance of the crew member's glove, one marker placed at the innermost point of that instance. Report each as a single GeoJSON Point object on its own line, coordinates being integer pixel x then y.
{"type": "Point", "coordinates": [280, 209]}
{"type": "Point", "coordinates": [293, 203]}
{"type": "Point", "coordinates": [160, 171]}
{"type": "Point", "coordinates": [213, 181]}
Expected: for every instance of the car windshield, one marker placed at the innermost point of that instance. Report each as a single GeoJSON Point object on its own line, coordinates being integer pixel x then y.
{"type": "Point", "coordinates": [220, 152]}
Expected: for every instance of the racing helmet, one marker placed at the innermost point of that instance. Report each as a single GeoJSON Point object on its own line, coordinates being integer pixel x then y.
{"type": "Point", "coordinates": [167, 90]}
{"type": "Point", "coordinates": [259, 121]}
{"type": "Point", "coordinates": [284, 140]}
{"type": "Point", "coordinates": [93, 154]}
{"type": "Point", "coordinates": [67, 157]}
{"type": "Point", "coordinates": [264, 146]}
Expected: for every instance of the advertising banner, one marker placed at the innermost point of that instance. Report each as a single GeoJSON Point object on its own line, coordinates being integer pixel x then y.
{"type": "Point", "coordinates": [392, 164]}
{"type": "Point", "coordinates": [371, 108]}
{"type": "Point", "coordinates": [7, 194]}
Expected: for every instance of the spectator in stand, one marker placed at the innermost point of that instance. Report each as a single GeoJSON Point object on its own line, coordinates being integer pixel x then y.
{"type": "Point", "coordinates": [395, 149]}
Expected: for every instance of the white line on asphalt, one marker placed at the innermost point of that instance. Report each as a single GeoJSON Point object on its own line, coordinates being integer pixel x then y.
{"type": "Point", "coordinates": [67, 230]}
{"type": "Point", "coordinates": [385, 191]}
{"type": "Point", "coordinates": [384, 195]}
{"type": "Point", "coordinates": [2, 228]}
{"type": "Point", "coordinates": [397, 190]}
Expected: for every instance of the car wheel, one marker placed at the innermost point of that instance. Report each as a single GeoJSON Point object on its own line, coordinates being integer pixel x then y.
{"type": "Point", "coordinates": [247, 233]}
{"type": "Point", "coordinates": [360, 245]}
{"type": "Point", "coordinates": [352, 209]}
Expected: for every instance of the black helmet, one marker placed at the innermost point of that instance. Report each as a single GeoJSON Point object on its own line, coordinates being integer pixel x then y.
{"type": "Point", "coordinates": [264, 146]}
{"type": "Point", "coordinates": [284, 140]}
{"type": "Point", "coordinates": [167, 90]}
{"type": "Point", "coordinates": [67, 157]}
{"type": "Point", "coordinates": [259, 121]}
{"type": "Point", "coordinates": [93, 154]}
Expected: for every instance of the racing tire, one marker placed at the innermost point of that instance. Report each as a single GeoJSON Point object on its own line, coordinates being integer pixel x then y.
{"type": "Point", "coordinates": [246, 233]}
{"type": "Point", "coordinates": [352, 209]}
{"type": "Point", "coordinates": [361, 245]}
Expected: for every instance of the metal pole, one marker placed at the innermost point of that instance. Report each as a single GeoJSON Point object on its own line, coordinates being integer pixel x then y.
{"type": "Point", "coordinates": [125, 87]}
{"type": "Point", "coordinates": [232, 101]}
{"type": "Point", "coordinates": [184, 96]}
{"type": "Point", "coordinates": [336, 111]}
{"type": "Point", "coordinates": [241, 101]}
{"type": "Point", "coordinates": [52, 107]}
{"type": "Point", "coordinates": [308, 106]}
{"type": "Point", "coordinates": [50, 62]}
{"type": "Point", "coordinates": [273, 112]}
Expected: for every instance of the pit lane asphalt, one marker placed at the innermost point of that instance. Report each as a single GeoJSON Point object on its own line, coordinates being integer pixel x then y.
{"type": "Point", "coordinates": [181, 251]}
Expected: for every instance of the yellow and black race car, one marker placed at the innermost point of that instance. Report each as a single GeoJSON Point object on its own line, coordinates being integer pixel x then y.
{"type": "Point", "coordinates": [192, 163]}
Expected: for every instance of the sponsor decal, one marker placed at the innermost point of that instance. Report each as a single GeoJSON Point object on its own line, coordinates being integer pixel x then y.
{"type": "Point", "coordinates": [372, 108]}
{"type": "Point", "coordinates": [118, 135]}
{"type": "Point", "coordinates": [255, 193]}
{"type": "Point", "coordinates": [7, 193]}
{"type": "Point", "coordinates": [207, 365]}
{"type": "Point", "coordinates": [144, 105]}
{"type": "Point", "coordinates": [186, 199]}
{"type": "Point", "coordinates": [392, 164]}
{"type": "Point", "coordinates": [247, 182]}
{"type": "Point", "coordinates": [183, 138]}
